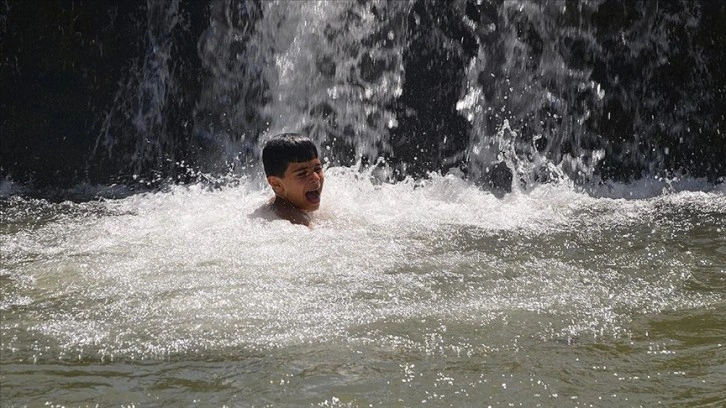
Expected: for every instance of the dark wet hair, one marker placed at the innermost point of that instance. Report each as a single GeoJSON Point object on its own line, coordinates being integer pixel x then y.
{"type": "Point", "coordinates": [284, 149]}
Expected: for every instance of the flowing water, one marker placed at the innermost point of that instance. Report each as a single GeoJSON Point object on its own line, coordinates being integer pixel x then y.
{"type": "Point", "coordinates": [408, 294]}
{"type": "Point", "coordinates": [408, 291]}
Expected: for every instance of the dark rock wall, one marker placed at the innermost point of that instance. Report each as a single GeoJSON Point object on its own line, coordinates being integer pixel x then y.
{"type": "Point", "coordinates": [59, 64]}
{"type": "Point", "coordinates": [109, 91]}
{"type": "Point", "coordinates": [69, 73]}
{"type": "Point", "coordinates": [664, 108]}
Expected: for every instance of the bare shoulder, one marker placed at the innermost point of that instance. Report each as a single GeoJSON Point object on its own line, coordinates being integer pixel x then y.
{"type": "Point", "coordinates": [265, 211]}
{"type": "Point", "coordinates": [279, 209]}
{"type": "Point", "coordinates": [286, 211]}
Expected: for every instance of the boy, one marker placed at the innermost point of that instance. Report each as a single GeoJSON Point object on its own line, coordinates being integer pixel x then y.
{"type": "Point", "coordinates": [295, 174]}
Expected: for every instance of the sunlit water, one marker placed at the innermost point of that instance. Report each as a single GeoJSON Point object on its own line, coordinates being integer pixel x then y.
{"type": "Point", "coordinates": [409, 294]}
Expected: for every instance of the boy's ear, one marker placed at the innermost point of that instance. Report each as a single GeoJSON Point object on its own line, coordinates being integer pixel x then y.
{"type": "Point", "coordinates": [276, 184]}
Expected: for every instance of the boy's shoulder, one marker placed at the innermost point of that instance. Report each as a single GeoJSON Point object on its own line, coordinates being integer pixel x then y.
{"type": "Point", "coordinates": [265, 212]}
{"type": "Point", "coordinates": [279, 208]}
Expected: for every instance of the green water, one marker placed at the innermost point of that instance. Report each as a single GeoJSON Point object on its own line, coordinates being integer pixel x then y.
{"type": "Point", "coordinates": [581, 302]}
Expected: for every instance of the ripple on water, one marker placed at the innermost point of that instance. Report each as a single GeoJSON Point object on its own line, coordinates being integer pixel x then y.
{"type": "Point", "coordinates": [430, 290]}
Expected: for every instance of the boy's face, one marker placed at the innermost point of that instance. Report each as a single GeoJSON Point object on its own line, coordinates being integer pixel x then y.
{"type": "Point", "coordinates": [301, 185]}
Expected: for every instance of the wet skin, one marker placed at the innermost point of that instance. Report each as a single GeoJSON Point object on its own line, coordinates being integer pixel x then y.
{"type": "Point", "coordinates": [298, 192]}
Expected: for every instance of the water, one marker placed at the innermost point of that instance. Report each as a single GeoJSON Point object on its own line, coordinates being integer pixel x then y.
{"type": "Point", "coordinates": [440, 290]}
{"type": "Point", "coordinates": [328, 69]}
{"type": "Point", "coordinates": [408, 294]}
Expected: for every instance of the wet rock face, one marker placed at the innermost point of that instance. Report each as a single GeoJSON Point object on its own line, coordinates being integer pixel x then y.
{"type": "Point", "coordinates": [664, 105]}
{"type": "Point", "coordinates": [60, 64]}
{"type": "Point", "coordinates": [64, 70]}
{"type": "Point", "coordinates": [106, 91]}
{"type": "Point", "coordinates": [431, 134]}
{"type": "Point", "coordinates": [619, 89]}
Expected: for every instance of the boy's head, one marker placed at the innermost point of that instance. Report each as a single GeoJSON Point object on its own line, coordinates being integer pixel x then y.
{"type": "Point", "coordinates": [293, 170]}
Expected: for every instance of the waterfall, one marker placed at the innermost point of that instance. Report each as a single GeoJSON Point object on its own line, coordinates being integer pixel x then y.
{"type": "Point", "coordinates": [507, 94]}
{"type": "Point", "coordinates": [142, 134]}
{"type": "Point", "coordinates": [328, 69]}
{"type": "Point", "coordinates": [536, 84]}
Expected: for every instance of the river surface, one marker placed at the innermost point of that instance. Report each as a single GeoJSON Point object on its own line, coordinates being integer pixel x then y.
{"type": "Point", "coordinates": [428, 293]}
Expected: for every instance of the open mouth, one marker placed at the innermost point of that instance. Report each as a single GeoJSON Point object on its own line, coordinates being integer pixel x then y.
{"type": "Point", "coordinates": [313, 196]}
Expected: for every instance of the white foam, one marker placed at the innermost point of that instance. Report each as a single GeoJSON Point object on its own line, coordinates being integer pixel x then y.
{"type": "Point", "coordinates": [187, 269]}
{"type": "Point", "coordinates": [648, 187]}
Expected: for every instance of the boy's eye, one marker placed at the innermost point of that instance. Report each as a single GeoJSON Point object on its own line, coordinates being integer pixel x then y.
{"type": "Point", "coordinates": [305, 173]}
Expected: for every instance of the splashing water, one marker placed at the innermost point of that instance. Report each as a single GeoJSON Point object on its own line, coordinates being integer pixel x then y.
{"type": "Point", "coordinates": [328, 69]}
{"type": "Point", "coordinates": [428, 290]}
{"type": "Point", "coordinates": [432, 290]}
